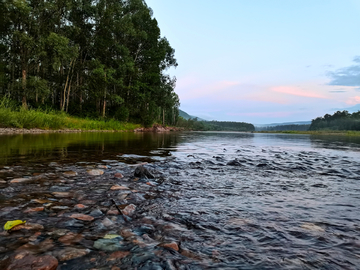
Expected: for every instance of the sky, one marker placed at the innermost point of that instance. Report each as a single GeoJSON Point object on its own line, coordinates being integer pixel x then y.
{"type": "Point", "coordinates": [262, 61]}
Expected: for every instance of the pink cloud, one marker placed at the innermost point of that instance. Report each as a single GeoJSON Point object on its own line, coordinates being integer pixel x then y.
{"type": "Point", "coordinates": [296, 91]}
{"type": "Point", "coordinates": [263, 114]}
{"type": "Point", "coordinates": [353, 100]}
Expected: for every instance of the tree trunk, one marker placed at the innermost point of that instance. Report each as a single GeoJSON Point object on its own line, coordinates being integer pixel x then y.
{"type": "Point", "coordinates": [163, 117]}
{"type": "Point", "coordinates": [24, 102]}
{"type": "Point", "coordinates": [104, 103]}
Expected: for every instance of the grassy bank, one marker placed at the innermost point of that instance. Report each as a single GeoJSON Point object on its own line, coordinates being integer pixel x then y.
{"type": "Point", "coordinates": [19, 118]}
{"type": "Point", "coordinates": [317, 132]}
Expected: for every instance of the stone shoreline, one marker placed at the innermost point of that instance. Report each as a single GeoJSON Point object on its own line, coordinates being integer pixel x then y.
{"type": "Point", "coordinates": [10, 131]}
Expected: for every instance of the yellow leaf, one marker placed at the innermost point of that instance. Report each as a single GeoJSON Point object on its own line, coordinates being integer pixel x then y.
{"type": "Point", "coordinates": [10, 224]}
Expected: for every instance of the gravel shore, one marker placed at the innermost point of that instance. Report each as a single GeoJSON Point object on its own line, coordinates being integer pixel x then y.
{"type": "Point", "coordinates": [38, 131]}
{"type": "Point", "coordinates": [155, 128]}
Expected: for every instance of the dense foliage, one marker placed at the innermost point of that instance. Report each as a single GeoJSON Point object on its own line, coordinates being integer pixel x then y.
{"type": "Point", "coordinates": [89, 58]}
{"type": "Point", "coordinates": [194, 124]}
{"type": "Point", "coordinates": [338, 121]}
{"type": "Point", "coordinates": [284, 128]}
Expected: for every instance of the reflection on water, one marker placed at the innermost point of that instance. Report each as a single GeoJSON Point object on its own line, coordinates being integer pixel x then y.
{"type": "Point", "coordinates": [66, 147]}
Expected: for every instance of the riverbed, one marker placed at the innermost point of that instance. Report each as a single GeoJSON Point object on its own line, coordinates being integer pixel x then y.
{"type": "Point", "coordinates": [190, 200]}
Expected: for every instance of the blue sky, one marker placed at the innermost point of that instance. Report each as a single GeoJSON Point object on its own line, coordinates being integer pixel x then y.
{"type": "Point", "coordinates": [263, 61]}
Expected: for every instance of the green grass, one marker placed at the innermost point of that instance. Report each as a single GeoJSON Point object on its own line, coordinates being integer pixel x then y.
{"type": "Point", "coordinates": [49, 120]}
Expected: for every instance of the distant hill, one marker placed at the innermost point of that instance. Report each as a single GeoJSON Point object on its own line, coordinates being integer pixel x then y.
{"type": "Point", "coordinates": [284, 124]}
{"type": "Point", "coordinates": [187, 116]}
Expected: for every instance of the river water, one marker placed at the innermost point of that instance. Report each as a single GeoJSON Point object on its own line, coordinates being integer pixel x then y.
{"type": "Point", "coordinates": [203, 200]}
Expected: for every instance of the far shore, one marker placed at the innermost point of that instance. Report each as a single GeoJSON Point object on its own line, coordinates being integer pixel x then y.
{"type": "Point", "coordinates": [316, 132]}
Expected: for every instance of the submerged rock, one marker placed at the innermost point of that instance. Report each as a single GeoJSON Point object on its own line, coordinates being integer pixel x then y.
{"type": "Point", "coordinates": [142, 172]}
{"type": "Point", "coordinates": [114, 244]}
{"type": "Point", "coordinates": [129, 210]}
{"type": "Point", "coordinates": [233, 163]}
{"type": "Point", "coordinates": [70, 253]}
{"type": "Point", "coordinates": [26, 261]}
{"type": "Point", "coordinates": [82, 217]}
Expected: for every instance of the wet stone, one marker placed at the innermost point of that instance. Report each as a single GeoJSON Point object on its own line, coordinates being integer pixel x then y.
{"type": "Point", "coordinates": [114, 244]}
{"type": "Point", "coordinates": [95, 172]}
{"type": "Point", "coordinates": [25, 261]}
{"type": "Point", "coordinates": [20, 180]}
{"type": "Point", "coordinates": [36, 209]}
{"type": "Point", "coordinates": [129, 210]}
{"type": "Point", "coordinates": [107, 222]}
{"type": "Point", "coordinates": [70, 238]}
{"type": "Point", "coordinates": [62, 194]}
{"type": "Point", "coordinates": [118, 175]}
{"type": "Point", "coordinates": [113, 212]}
{"type": "Point", "coordinates": [80, 206]}
{"type": "Point", "coordinates": [118, 187]}
{"type": "Point", "coordinates": [28, 226]}
{"type": "Point", "coordinates": [142, 172]}
{"type": "Point", "coordinates": [70, 173]}
{"type": "Point", "coordinates": [96, 213]}
{"type": "Point", "coordinates": [59, 189]}
{"type": "Point", "coordinates": [82, 217]}
{"type": "Point", "coordinates": [171, 245]}
{"type": "Point", "coordinates": [118, 255]}
{"type": "Point", "coordinates": [70, 253]}
{"type": "Point", "coordinates": [59, 207]}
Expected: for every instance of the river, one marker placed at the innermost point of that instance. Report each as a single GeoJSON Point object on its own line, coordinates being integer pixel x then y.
{"type": "Point", "coordinates": [201, 200]}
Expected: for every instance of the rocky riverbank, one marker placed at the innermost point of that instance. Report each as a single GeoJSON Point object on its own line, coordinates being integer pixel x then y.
{"type": "Point", "coordinates": [8, 131]}
{"type": "Point", "coordinates": [87, 217]}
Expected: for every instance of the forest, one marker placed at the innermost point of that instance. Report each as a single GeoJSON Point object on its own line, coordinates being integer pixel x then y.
{"type": "Point", "coordinates": [194, 124]}
{"type": "Point", "coordinates": [284, 128]}
{"type": "Point", "coordinates": [97, 59]}
{"type": "Point", "coordinates": [338, 121]}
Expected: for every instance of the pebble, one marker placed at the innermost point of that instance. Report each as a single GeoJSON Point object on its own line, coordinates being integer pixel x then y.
{"type": "Point", "coordinates": [70, 253]}
{"type": "Point", "coordinates": [118, 187]}
{"type": "Point", "coordinates": [118, 175]}
{"type": "Point", "coordinates": [312, 227]}
{"type": "Point", "coordinates": [96, 213]}
{"type": "Point", "coordinates": [108, 244]}
{"type": "Point", "coordinates": [107, 222]}
{"type": "Point", "coordinates": [82, 217]}
{"type": "Point", "coordinates": [60, 207]}
{"type": "Point", "coordinates": [36, 209]}
{"type": "Point", "coordinates": [28, 226]}
{"type": "Point", "coordinates": [95, 172]}
{"type": "Point", "coordinates": [70, 238]}
{"type": "Point", "coordinates": [80, 206]}
{"type": "Point", "coordinates": [171, 245]}
{"type": "Point", "coordinates": [129, 210]}
{"type": "Point", "coordinates": [118, 255]}
{"type": "Point", "coordinates": [61, 194]}
{"type": "Point", "coordinates": [20, 180]}
{"type": "Point", "coordinates": [70, 173]}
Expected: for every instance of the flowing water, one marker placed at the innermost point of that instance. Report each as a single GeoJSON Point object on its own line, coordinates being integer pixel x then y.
{"type": "Point", "coordinates": [204, 200]}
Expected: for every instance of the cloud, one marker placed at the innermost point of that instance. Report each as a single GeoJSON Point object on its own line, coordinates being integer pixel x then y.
{"type": "Point", "coordinates": [296, 91]}
{"type": "Point", "coordinates": [353, 100]}
{"type": "Point", "coordinates": [348, 76]}
{"type": "Point", "coordinates": [337, 91]}
{"type": "Point", "coordinates": [262, 114]}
